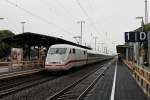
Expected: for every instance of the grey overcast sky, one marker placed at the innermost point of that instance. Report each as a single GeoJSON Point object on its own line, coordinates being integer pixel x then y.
{"type": "Point", "coordinates": [105, 19]}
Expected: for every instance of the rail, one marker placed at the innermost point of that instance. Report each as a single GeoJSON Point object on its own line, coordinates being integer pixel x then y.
{"type": "Point", "coordinates": [84, 87]}
{"type": "Point", "coordinates": [141, 75]}
{"type": "Point", "coordinates": [18, 85]}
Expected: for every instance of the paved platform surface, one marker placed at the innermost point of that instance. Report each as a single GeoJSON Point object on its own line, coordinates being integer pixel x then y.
{"type": "Point", "coordinates": [126, 87]}
{"type": "Point", "coordinates": [102, 90]}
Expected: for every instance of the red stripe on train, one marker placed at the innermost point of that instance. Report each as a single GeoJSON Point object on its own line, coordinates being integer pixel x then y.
{"type": "Point", "coordinates": [71, 61]}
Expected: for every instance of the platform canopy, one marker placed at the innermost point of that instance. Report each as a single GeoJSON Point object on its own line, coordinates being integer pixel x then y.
{"type": "Point", "coordinates": [34, 39]}
{"type": "Point", "coordinates": [121, 48]}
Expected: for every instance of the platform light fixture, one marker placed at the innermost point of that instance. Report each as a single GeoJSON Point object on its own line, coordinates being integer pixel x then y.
{"type": "Point", "coordinates": [1, 18]}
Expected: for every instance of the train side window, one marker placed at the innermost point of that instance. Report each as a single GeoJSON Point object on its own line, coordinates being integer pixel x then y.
{"type": "Point", "coordinates": [74, 51]}
{"type": "Point", "coordinates": [84, 52]}
{"type": "Point", "coordinates": [70, 51]}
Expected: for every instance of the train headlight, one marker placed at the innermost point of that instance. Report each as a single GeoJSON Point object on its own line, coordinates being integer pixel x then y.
{"type": "Point", "coordinates": [62, 62]}
{"type": "Point", "coordinates": [46, 62]}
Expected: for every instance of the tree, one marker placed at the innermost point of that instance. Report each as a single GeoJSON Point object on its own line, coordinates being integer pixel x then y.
{"type": "Point", "coordinates": [5, 49]}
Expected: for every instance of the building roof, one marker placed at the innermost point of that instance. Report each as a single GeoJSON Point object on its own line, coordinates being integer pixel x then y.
{"type": "Point", "coordinates": [124, 46]}
{"type": "Point", "coordinates": [34, 39]}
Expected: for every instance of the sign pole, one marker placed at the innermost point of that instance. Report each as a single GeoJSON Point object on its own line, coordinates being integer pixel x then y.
{"type": "Point", "coordinates": [149, 49]}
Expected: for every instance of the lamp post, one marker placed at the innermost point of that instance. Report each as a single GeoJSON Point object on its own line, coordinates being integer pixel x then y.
{"type": "Point", "coordinates": [102, 49]}
{"type": "Point", "coordinates": [23, 26]}
{"type": "Point", "coordinates": [146, 13]}
{"type": "Point", "coordinates": [114, 45]}
{"type": "Point", "coordinates": [142, 23]}
{"type": "Point", "coordinates": [1, 18]}
{"type": "Point", "coordinates": [81, 22]}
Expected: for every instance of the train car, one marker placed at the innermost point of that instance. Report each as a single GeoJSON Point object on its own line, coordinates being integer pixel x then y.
{"type": "Point", "coordinates": [64, 56]}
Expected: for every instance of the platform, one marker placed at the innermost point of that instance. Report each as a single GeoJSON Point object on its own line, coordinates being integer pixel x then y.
{"type": "Point", "coordinates": [126, 87]}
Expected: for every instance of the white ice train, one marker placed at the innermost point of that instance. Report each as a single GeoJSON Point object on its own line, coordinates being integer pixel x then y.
{"type": "Point", "coordinates": [64, 57]}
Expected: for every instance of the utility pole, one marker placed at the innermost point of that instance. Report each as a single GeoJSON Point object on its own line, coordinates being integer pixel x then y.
{"type": "Point", "coordinates": [146, 12]}
{"type": "Point", "coordinates": [113, 43]}
{"type": "Point", "coordinates": [1, 18]}
{"type": "Point", "coordinates": [106, 44]}
{"type": "Point", "coordinates": [22, 26]}
{"type": "Point", "coordinates": [95, 42]}
{"type": "Point", "coordinates": [102, 49]}
{"type": "Point", "coordinates": [81, 22]}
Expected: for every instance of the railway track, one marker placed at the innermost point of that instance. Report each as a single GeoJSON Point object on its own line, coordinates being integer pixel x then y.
{"type": "Point", "coordinates": [81, 87]}
{"type": "Point", "coordinates": [52, 87]}
{"type": "Point", "coordinates": [16, 82]}
{"type": "Point", "coordinates": [20, 84]}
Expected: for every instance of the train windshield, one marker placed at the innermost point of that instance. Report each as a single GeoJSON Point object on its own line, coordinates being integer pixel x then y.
{"type": "Point", "coordinates": [57, 51]}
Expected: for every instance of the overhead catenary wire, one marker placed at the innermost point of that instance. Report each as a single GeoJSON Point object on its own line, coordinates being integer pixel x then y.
{"type": "Point", "coordinates": [36, 16]}
{"type": "Point", "coordinates": [70, 16]}
{"type": "Point", "coordinates": [59, 3]}
{"type": "Point", "coordinates": [86, 14]}
{"type": "Point", "coordinates": [146, 12]}
{"type": "Point", "coordinates": [47, 3]}
{"type": "Point", "coordinates": [66, 10]}
{"type": "Point", "coordinates": [91, 7]}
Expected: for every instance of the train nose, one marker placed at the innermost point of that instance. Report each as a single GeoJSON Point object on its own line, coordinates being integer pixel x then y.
{"type": "Point", "coordinates": [55, 62]}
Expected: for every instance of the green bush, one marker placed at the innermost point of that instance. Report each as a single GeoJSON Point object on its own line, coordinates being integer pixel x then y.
{"type": "Point", "coordinates": [5, 49]}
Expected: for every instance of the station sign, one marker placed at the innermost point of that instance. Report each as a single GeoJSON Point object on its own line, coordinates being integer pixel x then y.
{"type": "Point", "coordinates": [135, 36]}
{"type": "Point", "coordinates": [16, 54]}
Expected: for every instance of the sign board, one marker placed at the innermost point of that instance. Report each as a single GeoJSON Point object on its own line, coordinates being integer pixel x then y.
{"type": "Point", "coordinates": [135, 36]}
{"type": "Point", "coordinates": [16, 54]}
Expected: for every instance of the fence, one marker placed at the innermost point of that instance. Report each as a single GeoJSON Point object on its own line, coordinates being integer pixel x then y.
{"type": "Point", "coordinates": [21, 64]}
{"type": "Point", "coordinates": [141, 75]}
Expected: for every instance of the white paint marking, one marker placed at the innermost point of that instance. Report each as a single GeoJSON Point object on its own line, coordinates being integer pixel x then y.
{"type": "Point", "coordinates": [114, 84]}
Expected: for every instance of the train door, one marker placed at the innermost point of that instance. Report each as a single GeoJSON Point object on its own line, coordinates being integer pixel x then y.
{"type": "Point", "coordinates": [74, 57]}
{"type": "Point", "coordinates": [85, 57]}
{"type": "Point", "coordinates": [71, 57]}
{"type": "Point", "coordinates": [80, 56]}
